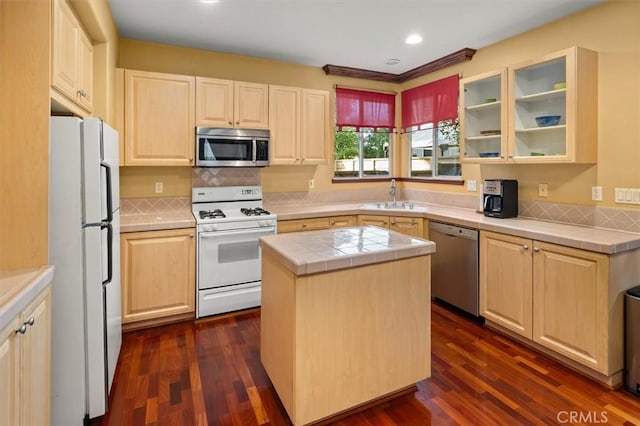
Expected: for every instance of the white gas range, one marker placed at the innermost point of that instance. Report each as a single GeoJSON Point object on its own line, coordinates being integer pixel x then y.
{"type": "Point", "coordinates": [230, 221]}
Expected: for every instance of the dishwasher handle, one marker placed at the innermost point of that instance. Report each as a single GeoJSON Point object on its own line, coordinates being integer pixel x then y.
{"type": "Point", "coordinates": [453, 231]}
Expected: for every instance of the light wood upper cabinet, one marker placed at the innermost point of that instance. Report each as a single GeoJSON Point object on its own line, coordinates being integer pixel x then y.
{"type": "Point", "coordinates": [314, 126]}
{"type": "Point", "coordinates": [228, 103]}
{"type": "Point", "coordinates": [85, 61]}
{"type": "Point", "coordinates": [284, 124]}
{"type": "Point", "coordinates": [159, 119]}
{"type": "Point", "coordinates": [25, 366]}
{"type": "Point", "coordinates": [298, 120]}
{"type": "Point", "coordinates": [533, 93]}
{"type": "Point", "coordinates": [72, 58]}
{"type": "Point", "coordinates": [483, 117]}
{"type": "Point", "coordinates": [158, 276]}
{"type": "Point", "coordinates": [499, 111]}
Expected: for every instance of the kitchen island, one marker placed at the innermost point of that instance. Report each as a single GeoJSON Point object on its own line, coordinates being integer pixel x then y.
{"type": "Point", "coordinates": [345, 318]}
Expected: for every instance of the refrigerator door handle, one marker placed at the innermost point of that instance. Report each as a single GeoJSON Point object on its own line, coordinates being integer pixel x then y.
{"type": "Point", "coordinates": [107, 169]}
{"type": "Point", "coordinates": [109, 228]}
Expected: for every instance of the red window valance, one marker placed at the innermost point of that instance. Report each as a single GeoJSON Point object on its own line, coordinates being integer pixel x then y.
{"type": "Point", "coordinates": [431, 102]}
{"type": "Point", "coordinates": [359, 108]}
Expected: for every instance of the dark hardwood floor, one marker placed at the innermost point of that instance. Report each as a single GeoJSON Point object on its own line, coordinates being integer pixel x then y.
{"type": "Point", "coordinates": [209, 373]}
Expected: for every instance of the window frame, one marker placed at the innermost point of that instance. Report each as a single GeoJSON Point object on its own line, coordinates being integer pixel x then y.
{"type": "Point", "coordinates": [361, 132]}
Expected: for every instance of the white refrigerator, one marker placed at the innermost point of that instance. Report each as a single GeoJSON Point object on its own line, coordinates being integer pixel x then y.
{"type": "Point", "coordinates": [84, 247]}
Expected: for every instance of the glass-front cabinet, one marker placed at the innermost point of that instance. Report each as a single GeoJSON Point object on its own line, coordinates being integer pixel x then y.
{"type": "Point", "coordinates": [538, 111]}
{"type": "Point", "coordinates": [483, 118]}
{"type": "Point", "coordinates": [554, 108]}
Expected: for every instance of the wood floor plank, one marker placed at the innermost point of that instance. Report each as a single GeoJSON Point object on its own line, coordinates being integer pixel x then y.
{"type": "Point", "coordinates": [209, 373]}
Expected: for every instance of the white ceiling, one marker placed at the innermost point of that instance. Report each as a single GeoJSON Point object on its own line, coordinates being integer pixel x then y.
{"type": "Point", "coordinates": [354, 33]}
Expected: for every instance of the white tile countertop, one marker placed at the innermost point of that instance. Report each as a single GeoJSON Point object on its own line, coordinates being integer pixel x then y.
{"type": "Point", "coordinates": [19, 288]}
{"type": "Point", "coordinates": [599, 240]}
{"type": "Point", "coordinates": [339, 248]}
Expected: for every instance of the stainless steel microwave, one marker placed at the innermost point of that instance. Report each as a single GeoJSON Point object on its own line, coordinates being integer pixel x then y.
{"type": "Point", "coordinates": [220, 147]}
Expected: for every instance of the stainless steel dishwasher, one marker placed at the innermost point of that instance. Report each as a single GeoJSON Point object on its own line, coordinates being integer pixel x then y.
{"type": "Point", "coordinates": [454, 266]}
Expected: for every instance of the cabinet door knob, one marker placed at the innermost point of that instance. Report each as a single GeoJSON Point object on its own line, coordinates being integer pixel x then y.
{"type": "Point", "coordinates": [30, 321]}
{"type": "Point", "coordinates": [525, 247]}
{"type": "Point", "coordinates": [190, 235]}
{"type": "Point", "coordinates": [536, 249]}
{"type": "Point", "coordinates": [22, 329]}
{"type": "Point", "coordinates": [191, 160]}
{"type": "Point", "coordinates": [237, 123]}
{"type": "Point", "coordinates": [230, 122]}
{"type": "Point", "coordinates": [304, 225]}
{"type": "Point", "coordinates": [333, 223]}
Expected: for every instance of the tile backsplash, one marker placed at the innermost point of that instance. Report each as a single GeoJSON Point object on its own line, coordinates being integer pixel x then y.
{"type": "Point", "coordinates": [214, 176]}
{"type": "Point", "coordinates": [622, 219]}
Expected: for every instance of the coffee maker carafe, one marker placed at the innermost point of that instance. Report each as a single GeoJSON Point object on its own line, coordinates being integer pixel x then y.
{"type": "Point", "coordinates": [500, 198]}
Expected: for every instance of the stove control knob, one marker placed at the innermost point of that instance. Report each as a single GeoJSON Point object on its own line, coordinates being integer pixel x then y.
{"type": "Point", "coordinates": [209, 227]}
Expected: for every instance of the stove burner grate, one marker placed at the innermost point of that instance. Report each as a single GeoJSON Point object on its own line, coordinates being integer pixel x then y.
{"type": "Point", "coordinates": [258, 211]}
{"type": "Point", "coordinates": [211, 214]}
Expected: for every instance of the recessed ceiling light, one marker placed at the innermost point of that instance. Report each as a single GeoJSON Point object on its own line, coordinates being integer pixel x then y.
{"type": "Point", "coordinates": [392, 61]}
{"type": "Point", "coordinates": [209, 1]}
{"type": "Point", "coordinates": [413, 39]}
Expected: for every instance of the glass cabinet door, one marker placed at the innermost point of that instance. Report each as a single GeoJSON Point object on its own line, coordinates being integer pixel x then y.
{"type": "Point", "coordinates": [483, 117]}
{"type": "Point", "coordinates": [553, 108]}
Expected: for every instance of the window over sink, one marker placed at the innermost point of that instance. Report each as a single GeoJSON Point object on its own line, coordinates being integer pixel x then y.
{"type": "Point", "coordinates": [364, 134]}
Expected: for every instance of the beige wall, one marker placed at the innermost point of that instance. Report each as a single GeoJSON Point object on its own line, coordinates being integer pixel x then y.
{"type": "Point", "coordinates": [612, 29]}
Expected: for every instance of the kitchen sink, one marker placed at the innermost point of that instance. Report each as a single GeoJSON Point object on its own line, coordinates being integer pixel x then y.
{"type": "Point", "coordinates": [404, 206]}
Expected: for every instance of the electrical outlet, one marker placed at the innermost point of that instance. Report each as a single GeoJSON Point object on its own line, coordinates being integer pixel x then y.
{"type": "Point", "coordinates": [596, 193]}
{"type": "Point", "coordinates": [312, 184]}
{"type": "Point", "coordinates": [159, 187]}
{"type": "Point", "coordinates": [543, 190]}
{"type": "Point", "coordinates": [472, 185]}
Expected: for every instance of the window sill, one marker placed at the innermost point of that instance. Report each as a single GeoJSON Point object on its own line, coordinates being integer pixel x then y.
{"type": "Point", "coordinates": [457, 182]}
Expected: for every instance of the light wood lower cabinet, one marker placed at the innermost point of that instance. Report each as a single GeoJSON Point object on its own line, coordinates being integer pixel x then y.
{"type": "Point", "coordinates": [567, 301]}
{"type": "Point", "coordinates": [342, 221]}
{"type": "Point", "coordinates": [158, 277]}
{"type": "Point", "coordinates": [506, 276]}
{"type": "Point", "coordinates": [315, 223]}
{"type": "Point", "coordinates": [413, 226]}
{"type": "Point", "coordinates": [25, 365]}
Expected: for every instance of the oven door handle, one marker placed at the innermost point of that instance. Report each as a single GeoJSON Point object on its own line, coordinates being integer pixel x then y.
{"type": "Point", "coordinates": [259, 231]}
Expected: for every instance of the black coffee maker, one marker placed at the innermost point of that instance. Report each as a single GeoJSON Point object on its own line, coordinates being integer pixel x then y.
{"type": "Point", "coordinates": [500, 198]}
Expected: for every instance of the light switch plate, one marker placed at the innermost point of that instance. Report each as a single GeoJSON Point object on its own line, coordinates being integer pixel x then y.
{"type": "Point", "coordinates": [159, 188]}
{"type": "Point", "coordinates": [596, 193]}
{"type": "Point", "coordinates": [627, 195]}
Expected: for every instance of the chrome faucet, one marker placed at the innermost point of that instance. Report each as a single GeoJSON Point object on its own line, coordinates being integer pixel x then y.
{"type": "Point", "coordinates": [392, 192]}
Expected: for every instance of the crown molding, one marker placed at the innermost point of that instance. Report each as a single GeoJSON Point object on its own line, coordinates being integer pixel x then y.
{"type": "Point", "coordinates": [460, 56]}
